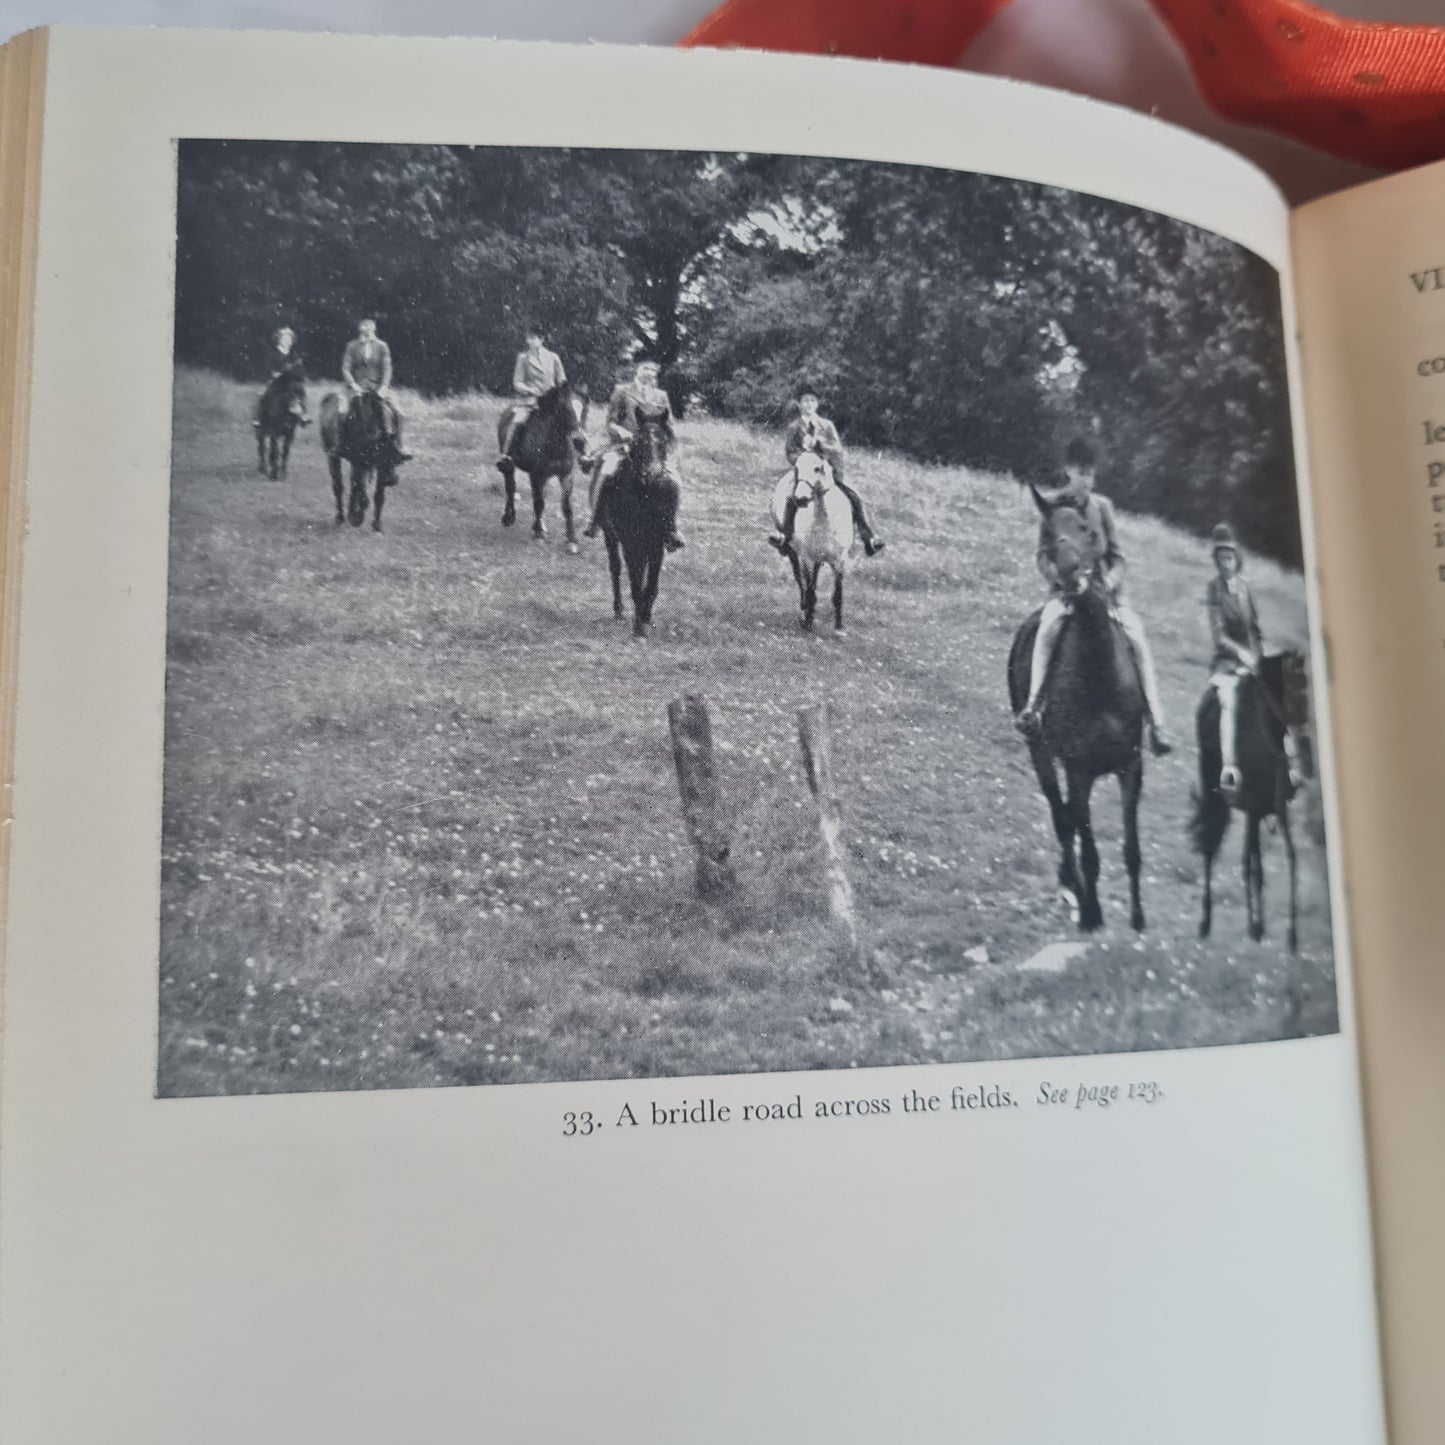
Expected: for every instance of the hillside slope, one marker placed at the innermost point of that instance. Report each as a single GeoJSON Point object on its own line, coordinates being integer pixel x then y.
{"type": "Point", "coordinates": [421, 822]}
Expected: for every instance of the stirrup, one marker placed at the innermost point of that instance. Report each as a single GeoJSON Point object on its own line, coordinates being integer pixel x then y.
{"type": "Point", "coordinates": [1030, 722]}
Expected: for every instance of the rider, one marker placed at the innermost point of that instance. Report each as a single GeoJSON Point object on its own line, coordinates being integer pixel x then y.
{"type": "Point", "coordinates": [283, 361]}
{"type": "Point", "coordinates": [813, 432]}
{"type": "Point", "coordinates": [535, 372]}
{"type": "Point", "coordinates": [366, 366]}
{"type": "Point", "coordinates": [1098, 515]}
{"type": "Point", "coordinates": [629, 400]}
{"type": "Point", "coordinates": [1238, 646]}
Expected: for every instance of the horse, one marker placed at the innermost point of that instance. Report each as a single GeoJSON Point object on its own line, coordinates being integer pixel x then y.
{"type": "Point", "coordinates": [634, 522]}
{"type": "Point", "coordinates": [1094, 713]}
{"type": "Point", "coordinates": [279, 412]}
{"type": "Point", "coordinates": [1267, 702]}
{"type": "Point", "coordinates": [825, 539]}
{"type": "Point", "coordinates": [358, 434]}
{"type": "Point", "coordinates": [548, 444]}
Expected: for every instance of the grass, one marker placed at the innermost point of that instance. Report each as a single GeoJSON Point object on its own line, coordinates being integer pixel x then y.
{"type": "Point", "coordinates": [421, 823]}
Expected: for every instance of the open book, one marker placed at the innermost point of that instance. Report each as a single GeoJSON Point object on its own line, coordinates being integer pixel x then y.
{"type": "Point", "coordinates": [709, 747]}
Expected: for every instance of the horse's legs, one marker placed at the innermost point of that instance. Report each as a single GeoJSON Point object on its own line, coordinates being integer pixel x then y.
{"type": "Point", "coordinates": [261, 450]}
{"type": "Point", "coordinates": [1090, 914]}
{"type": "Point", "coordinates": [614, 566]}
{"type": "Point", "coordinates": [1282, 813]}
{"type": "Point", "coordinates": [635, 582]}
{"type": "Point", "coordinates": [1254, 877]}
{"type": "Point", "coordinates": [384, 475]}
{"type": "Point", "coordinates": [564, 482]}
{"type": "Point", "coordinates": [334, 463]}
{"type": "Point", "coordinates": [810, 594]}
{"type": "Point", "coordinates": [356, 502]}
{"type": "Point", "coordinates": [539, 501]}
{"type": "Point", "coordinates": [1063, 821]}
{"type": "Point", "coordinates": [1206, 916]}
{"type": "Point", "coordinates": [1131, 785]}
{"type": "Point", "coordinates": [286, 439]}
{"type": "Point", "coordinates": [652, 575]}
{"type": "Point", "coordinates": [837, 601]}
{"type": "Point", "coordinates": [509, 489]}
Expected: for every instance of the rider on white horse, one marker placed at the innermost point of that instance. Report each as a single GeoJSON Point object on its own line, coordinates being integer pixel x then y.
{"type": "Point", "coordinates": [813, 432]}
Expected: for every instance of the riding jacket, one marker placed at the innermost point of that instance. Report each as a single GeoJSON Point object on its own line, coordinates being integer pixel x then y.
{"type": "Point", "coordinates": [534, 374]}
{"type": "Point", "coordinates": [287, 364]}
{"type": "Point", "coordinates": [366, 365]}
{"type": "Point", "coordinates": [815, 434]}
{"type": "Point", "coordinates": [1232, 618]}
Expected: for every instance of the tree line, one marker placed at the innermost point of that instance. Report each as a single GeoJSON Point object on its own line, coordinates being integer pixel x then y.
{"type": "Point", "coordinates": [956, 317]}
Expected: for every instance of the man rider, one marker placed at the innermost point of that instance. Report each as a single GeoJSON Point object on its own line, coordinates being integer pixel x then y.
{"type": "Point", "coordinates": [535, 372]}
{"type": "Point", "coordinates": [624, 419]}
{"type": "Point", "coordinates": [366, 366]}
{"type": "Point", "coordinates": [813, 432]}
{"type": "Point", "coordinates": [1098, 514]}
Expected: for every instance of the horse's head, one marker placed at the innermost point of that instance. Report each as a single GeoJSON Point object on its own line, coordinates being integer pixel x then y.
{"type": "Point", "coordinates": [1070, 545]}
{"type": "Point", "coordinates": [653, 440]}
{"type": "Point", "coordinates": [565, 407]}
{"type": "Point", "coordinates": [812, 476]}
{"type": "Point", "coordinates": [1285, 678]}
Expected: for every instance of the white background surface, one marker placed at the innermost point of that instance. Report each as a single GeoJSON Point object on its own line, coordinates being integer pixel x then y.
{"type": "Point", "coordinates": [1111, 49]}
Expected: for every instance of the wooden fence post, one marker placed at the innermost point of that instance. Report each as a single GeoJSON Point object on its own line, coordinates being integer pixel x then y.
{"type": "Point", "coordinates": [818, 761]}
{"type": "Point", "coordinates": [697, 785]}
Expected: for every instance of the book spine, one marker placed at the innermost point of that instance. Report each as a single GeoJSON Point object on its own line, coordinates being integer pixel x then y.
{"type": "Point", "coordinates": [22, 99]}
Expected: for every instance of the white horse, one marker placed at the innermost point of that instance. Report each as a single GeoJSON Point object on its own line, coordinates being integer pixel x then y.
{"type": "Point", "coordinates": [823, 532]}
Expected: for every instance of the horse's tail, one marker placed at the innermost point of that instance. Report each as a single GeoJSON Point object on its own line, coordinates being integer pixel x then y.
{"type": "Point", "coordinates": [1209, 820]}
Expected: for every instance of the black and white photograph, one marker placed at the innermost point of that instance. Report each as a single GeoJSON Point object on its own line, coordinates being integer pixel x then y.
{"type": "Point", "coordinates": [647, 614]}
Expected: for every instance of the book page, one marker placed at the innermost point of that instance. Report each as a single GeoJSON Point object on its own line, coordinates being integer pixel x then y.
{"type": "Point", "coordinates": [1373, 305]}
{"type": "Point", "coordinates": [471, 971]}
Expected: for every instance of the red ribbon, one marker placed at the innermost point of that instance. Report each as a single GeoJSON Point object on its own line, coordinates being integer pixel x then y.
{"type": "Point", "coordinates": [1368, 92]}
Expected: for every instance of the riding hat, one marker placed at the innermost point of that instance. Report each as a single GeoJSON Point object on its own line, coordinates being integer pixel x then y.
{"type": "Point", "coordinates": [1222, 539]}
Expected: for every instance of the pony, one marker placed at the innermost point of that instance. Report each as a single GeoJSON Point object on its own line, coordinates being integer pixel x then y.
{"type": "Point", "coordinates": [1094, 712]}
{"type": "Point", "coordinates": [358, 434]}
{"type": "Point", "coordinates": [1267, 702]}
{"type": "Point", "coordinates": [823, 534]}
{"type": "Point", "coordinates": [634, 522]}
{"type": "Point", "coordinates": [548, 444]}
{"type": "Point", "coordinates": [279, 412]}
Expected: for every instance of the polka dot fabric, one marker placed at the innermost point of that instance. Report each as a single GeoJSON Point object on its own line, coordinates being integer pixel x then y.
{"type": "Point", "coordinates": [1365, 91]}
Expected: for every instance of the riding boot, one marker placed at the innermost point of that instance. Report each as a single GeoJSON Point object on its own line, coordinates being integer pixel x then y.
{"type": "Point", "coordinates": [871, 545]}
{"type": "Point", "coordinates": [504, 462]}
{"type": "Point", "coordinates": [782, 540]}
{"type": "Point", "coordinates": [671, 538]}
{"type": "Point", "coordinates": [599, 506]}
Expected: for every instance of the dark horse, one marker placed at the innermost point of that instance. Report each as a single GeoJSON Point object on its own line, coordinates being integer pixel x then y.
{"type": "Point", "coordinates": [358, 434]}
{"type": "Point", "coordinates": [634, 523]}
{"type": "Point", "coordinates": [279, 412]}
{"type": "Point", "coordinates": [547, 444]}
{"type": "Point", "coordinates": [1267, 701]}
{"type": "Point", "coordinates": [1094, 712]}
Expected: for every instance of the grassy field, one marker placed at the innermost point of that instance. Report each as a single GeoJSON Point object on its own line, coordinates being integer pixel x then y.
{"type": "Point", "coordinates": [421, 821]}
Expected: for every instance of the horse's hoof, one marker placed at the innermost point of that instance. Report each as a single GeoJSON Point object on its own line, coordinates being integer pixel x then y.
{"type": "Point", "coordinates": [806, 623]}
{"type": "Point", "coordinates": [840, 632]}
{"type": "Point", "coordinates": [1256, 931]}
{"type": "Point", "coordinates": [508, 518]}
{"type": "Point", "coordinates": [340, 520]}
{"type": "Point", "coordinates": [572, 549]}
{"type": "Point", "coordinates": [376, 526]}
{"type": "Point", "coordinates": [1204, 928]}
{"type": "Point", "coordinates": [1136, 921]}
{"type": "Point", "coordinates": [640, 630]}
{"type": "Point", "coordinates": [539, 533]}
